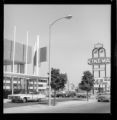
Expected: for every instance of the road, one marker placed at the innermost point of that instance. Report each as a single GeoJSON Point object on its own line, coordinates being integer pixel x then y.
{"type": "Point", "coordinates": [9, 104]}
{"type": "Point", "coordinates": [87, 108]}
{"type": "Point", "coordinates": [83, 108]}
{"type": "Point", "coordinates": [91, 106]}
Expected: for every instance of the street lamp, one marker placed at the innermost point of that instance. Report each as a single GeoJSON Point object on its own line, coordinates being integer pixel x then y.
{"type": "Point", "coordinates": [66, 17]}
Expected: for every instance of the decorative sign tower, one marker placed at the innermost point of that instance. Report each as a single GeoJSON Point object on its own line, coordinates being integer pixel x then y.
{"type": "Point", "coordinates": [99, 62]}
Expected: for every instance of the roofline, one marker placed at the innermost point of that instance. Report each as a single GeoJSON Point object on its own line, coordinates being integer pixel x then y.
{"type": "Point", "coordinates": [22, 75]}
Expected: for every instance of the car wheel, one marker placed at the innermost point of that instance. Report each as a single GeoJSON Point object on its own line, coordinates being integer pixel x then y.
{"type": "Point", "coordinates": [101, 100]}
{"type": "Point", "coordinates": [24, 100]}
{"type": "Point", "coordinates": [13, 101]}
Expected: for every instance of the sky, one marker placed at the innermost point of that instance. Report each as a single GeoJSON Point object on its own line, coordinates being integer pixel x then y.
{"type": "Point", "coordinates": [72, 41]}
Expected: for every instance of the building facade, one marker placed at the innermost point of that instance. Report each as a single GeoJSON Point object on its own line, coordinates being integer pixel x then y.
{"type": "Point", "coordinates": [20, 79]}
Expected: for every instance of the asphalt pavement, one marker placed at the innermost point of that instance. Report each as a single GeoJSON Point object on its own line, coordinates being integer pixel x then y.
{"type": "Point", "coordinates": [91, 106]}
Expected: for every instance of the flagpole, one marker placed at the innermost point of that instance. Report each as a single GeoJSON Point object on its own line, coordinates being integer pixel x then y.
{"type": "Point", "coordinates": [22, 56]}
{"type": "Point", "coordinates": [13, 56]}
{"type": "Point", "coordinates": [37, 60]}
{"type": "Point", "coordinates": [34, 55]}
{"type": "Point", "coordinates": [37, 55]}
{"type": "Point", "coordinates": [33, 58]}
{"type": "Point", "coordinates": [26, 53]}
{"type": "Point", "coordinates": [26, 62]}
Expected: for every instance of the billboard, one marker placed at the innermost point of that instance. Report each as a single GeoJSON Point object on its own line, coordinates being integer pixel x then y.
{"type": "Point", "coordinates": [101, 60]}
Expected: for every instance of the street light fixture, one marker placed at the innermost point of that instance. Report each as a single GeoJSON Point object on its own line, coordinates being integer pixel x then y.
{"type": "Point", "coordinates": [66, 17]}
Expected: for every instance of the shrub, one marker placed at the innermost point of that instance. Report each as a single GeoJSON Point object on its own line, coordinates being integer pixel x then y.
{"type": "Point", "coordinates": [6, 93]}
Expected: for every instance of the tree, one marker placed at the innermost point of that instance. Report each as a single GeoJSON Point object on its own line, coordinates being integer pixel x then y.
{"type": "Point", "coordinates": [58, 80]}
{"type": "Point", "coordinates": [87, 82]}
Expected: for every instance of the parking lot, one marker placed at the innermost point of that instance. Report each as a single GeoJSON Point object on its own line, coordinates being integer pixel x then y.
{"type": "Point", "coordinates": [44, 102]}
{"type": "Point", "coordinates": [62, 106]}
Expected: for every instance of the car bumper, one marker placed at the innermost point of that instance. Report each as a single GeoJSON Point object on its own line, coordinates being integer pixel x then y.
{"type": "Point", "coordinates": [103, 100]}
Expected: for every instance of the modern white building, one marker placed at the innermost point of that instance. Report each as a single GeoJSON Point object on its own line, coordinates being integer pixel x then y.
{"type": "Point", "coordinates": [19, 79]}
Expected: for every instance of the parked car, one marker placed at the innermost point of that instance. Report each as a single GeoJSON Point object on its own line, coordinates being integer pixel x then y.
{"type": "Point", "coordinates": [103, 97]}
{"type": "Point", "coordinates": [60, 94]}
{"type": "Point", "coordinates": [83, 95]}
{"type": "Point", "coordinates": [65, 94]}
{"type": "Point", "coordinates": [34, 96]}
{"type": "Point", "coordinates": [70, 94]}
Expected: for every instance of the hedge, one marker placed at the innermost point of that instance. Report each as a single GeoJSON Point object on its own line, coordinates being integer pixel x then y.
{"type": "Point", "coordinates": [8, 92]}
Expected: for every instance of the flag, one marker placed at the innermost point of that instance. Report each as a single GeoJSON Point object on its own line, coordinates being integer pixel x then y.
{"type": "Point", "coordinates": [34, 56]}
{"type": "Point", "coordinates": [39, 55]}
{"type": "Point", "coordinates": [43, 54]}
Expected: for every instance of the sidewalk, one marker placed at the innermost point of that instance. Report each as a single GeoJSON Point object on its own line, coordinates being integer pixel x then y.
{"type": "Point", "coordinates": [45, 108]}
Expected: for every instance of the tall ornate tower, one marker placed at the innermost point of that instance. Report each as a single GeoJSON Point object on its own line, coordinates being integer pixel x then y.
{"type": "Point", "coordinates": [99, 62]}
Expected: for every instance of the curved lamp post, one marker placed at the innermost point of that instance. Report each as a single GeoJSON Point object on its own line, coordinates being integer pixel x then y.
{"type": "Point", "coordinates": [50, 26]}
